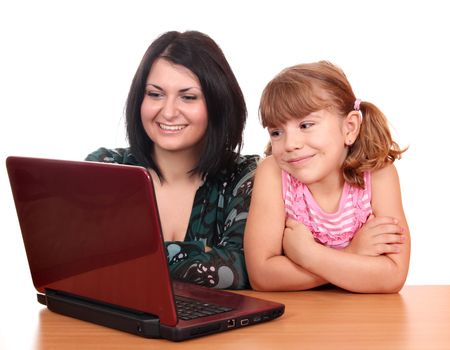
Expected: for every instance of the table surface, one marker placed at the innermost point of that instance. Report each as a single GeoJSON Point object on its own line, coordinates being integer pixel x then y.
{"type": "Point", "coordinates": [416, 318]}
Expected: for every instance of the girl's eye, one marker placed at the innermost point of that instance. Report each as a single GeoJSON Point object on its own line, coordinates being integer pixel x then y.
{"type": "Point", "coordinates": [274, 133]}
{"type": "Point", "coordinates": [306, 125]}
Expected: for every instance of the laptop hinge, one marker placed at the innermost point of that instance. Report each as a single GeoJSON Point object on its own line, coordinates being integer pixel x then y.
{"type": "Point", "coordinates": [143, 324]}
{"type": "Point", "coordinates": [41, 299]}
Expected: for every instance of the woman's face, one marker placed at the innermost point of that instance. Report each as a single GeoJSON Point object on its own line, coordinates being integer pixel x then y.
{"type": "Point", "coordinates": [173, 111]}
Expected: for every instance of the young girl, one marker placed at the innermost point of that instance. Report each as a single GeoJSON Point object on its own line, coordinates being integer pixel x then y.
{"type": "Point", "coordinates": [326, 204]}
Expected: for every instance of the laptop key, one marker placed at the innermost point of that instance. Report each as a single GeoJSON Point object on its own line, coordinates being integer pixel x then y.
{"type": "Point", "coordinates": [188, 309]}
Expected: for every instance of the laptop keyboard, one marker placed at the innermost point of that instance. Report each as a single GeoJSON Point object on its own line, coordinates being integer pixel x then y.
{"type": "Point", "coordinates": [188, 309]}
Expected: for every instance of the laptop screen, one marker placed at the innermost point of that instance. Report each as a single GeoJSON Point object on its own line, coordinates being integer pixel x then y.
{"type": "Point", "coordinates": [92, 229]}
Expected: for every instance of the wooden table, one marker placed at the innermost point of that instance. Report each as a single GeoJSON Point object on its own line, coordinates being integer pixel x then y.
{"type": "Point", "coordinates": [416, 318]}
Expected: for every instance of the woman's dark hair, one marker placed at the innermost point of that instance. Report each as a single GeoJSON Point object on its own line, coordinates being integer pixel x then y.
{"type": "Point", "coordinates": [225, 102]}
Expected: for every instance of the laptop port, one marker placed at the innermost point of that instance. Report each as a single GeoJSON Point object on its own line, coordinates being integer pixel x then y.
{"type": "Point", "coordinates": [244, 322]}
{"type": "Point", "coordinates": [257, 319]}
{"type": "Point", "coordinates": [231, 323]}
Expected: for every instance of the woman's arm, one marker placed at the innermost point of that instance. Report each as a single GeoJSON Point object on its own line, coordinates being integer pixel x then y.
{"type": "Point", "coordinates": [267, 267]}
{"type": "Point", "coordinates": [384, 273]}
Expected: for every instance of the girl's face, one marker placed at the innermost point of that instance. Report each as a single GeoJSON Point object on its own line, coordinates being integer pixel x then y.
{"type": "Point", "coordinates": [173, 111]}
{"type": "Point", "coordinates": [313, 148]}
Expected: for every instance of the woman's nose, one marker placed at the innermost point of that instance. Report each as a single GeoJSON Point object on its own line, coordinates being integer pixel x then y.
{"type": "Point", "coordinates": [170, 108]}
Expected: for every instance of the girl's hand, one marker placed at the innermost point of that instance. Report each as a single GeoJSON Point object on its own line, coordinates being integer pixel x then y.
{"type": "Point", "coordinates": [296, 239]}
{"type": "Point", "coordinates": [378, 236]}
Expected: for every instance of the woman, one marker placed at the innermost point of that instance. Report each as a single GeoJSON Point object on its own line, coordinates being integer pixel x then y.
{"type": "Point", "coordinates": [185, 116]}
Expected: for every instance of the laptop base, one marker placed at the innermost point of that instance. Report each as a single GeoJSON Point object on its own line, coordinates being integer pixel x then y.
{"type": "Point", "coordinates": [142, 324]}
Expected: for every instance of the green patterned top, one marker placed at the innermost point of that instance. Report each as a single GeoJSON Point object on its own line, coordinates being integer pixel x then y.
{"type": "Point", "coordinates": [217, 220]}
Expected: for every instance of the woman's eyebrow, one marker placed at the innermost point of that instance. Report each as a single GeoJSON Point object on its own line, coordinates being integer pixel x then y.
{"type": "Point", "coordinates": [181, 90]}
{"type": "Point", "coordinates": [189, 88]}
{"type": "Point", "coordinates": [155, 86]}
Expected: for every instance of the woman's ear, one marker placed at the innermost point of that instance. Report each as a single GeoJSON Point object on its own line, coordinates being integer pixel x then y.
{"type": "Point", "coordinates": [351, 126]}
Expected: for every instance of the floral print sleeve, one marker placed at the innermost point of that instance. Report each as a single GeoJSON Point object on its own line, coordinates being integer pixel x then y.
{"type": "Point", "coordinates": [212, 253]}
{"type": "Point", "coordinates": [117, 155]}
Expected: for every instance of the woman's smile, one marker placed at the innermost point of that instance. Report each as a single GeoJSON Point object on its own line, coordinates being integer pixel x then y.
{"type": "Point", "coordinates": [171, 127]}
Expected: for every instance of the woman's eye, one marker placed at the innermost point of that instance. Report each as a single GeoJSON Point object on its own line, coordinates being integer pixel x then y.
{"type": "Point", "coordinates": [153, 94]}
{"type": "Point", "coordinates": [189, 97]}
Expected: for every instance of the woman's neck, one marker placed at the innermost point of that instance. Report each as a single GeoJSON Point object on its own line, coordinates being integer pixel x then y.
{"type": "Point", "coordinates": [175, 167]}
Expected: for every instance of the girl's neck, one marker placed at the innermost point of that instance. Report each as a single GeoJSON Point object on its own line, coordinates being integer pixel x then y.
{"type": "Point", "coordinates": [327, 185]}
{"type": "Point", "coordinates": [327, 193]}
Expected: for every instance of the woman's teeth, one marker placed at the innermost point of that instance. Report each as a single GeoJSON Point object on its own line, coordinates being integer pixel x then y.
{"type": "Point", "coordinates": [171, 127]}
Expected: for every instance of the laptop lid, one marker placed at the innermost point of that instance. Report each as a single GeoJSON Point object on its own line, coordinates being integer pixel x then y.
{"type": "Point", "coordinates": [91, 232]}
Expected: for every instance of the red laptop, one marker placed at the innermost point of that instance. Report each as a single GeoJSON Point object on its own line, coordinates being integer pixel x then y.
{"type": "Point", "coordinates": [96, 252]}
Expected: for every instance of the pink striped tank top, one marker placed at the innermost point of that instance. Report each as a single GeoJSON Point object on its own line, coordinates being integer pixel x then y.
{"type": "Point", "coordinates": [334, 230]}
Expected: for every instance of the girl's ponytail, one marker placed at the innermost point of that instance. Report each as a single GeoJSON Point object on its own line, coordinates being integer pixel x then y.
{"type": "Point", "coordinates": [373, 148]}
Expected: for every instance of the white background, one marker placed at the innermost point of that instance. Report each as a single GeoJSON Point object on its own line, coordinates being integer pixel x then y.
{"type": "Point", "coordinates": [65, 70]}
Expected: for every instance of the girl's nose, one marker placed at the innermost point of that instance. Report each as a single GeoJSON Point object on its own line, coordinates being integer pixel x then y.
{"type": "Point", "coordinates": [293, 141]}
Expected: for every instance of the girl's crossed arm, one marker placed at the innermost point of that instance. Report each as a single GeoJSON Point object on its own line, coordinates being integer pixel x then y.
{"type": "Point", "coordinates": [382, 268]}
{"type": "Point", "coordinates": [267, 267]}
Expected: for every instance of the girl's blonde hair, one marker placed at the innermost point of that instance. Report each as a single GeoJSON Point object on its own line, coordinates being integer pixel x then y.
{"type": "Point", "coordinates": [305, 88]}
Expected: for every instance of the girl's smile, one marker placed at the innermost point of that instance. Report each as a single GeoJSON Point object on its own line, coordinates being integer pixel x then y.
{"type": "Point", "coordinates": [300, 160]}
